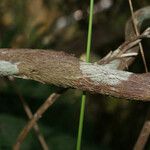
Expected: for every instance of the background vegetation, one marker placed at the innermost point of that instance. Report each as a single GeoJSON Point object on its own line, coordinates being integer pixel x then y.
{"type": "Point", "coordinates": [110, 123]}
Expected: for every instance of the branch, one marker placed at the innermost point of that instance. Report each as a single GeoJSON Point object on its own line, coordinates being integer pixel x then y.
{"type": "Point", "coordinates": [66, 70]}
{"type": "Point", "coordinates": [51, 99]}
{"type": "Point", "coordinates": [30, 116]}
{"type": "Point", "coordinates": [143, 136]}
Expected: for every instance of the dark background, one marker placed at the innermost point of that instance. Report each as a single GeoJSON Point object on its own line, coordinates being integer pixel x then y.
{"type": "Point", "coordinates": [110, 123]}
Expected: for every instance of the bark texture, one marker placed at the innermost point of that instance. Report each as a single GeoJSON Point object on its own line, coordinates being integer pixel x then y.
{"type": "Point", "coordinates": [65, 70]}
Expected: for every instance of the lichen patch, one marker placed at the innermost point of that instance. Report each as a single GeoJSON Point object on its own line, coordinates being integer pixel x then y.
{"type": "Point", "coordinates": [103, 74]}
{"type": "Point", "coordinates": [7, 68]}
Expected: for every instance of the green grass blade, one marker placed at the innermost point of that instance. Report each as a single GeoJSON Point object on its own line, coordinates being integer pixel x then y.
{"type": "Point", "coordinates": [81, 122]}
{"type": "Point", "coordinates": [89, 31]}
{"type": "Point", "coordinates": [83, 99]}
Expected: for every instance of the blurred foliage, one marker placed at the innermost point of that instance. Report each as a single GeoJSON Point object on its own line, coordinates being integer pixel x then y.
{"type": "Point", "coordinates": [110, 123]}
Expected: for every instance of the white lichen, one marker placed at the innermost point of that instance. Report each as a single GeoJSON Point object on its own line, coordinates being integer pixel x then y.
{"type": "Point", "coordinates": [7, 68]}
{"type": "Point", "coordinates": [103, 74]}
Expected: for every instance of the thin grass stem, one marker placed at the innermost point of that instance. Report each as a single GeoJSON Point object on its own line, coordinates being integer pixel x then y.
{"type": "Point", "coordinates": [83, 99]}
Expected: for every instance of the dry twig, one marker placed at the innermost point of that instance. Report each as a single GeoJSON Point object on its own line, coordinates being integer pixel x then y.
{"type": "Point", "coordinates": [30, 115]}
{"type": "Point", "coordinates": [121, 51]}
{"type": "Point", "coordinates": [35, 127]}
{"type": "Point", "coordinates": [51, 99]}
{"type": "Point", "coordinates": [143, 136]}
{"type": "Point", "coordinates": [137, 34]}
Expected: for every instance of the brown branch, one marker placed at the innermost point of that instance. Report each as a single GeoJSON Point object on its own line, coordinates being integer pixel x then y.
{"type": "Point", "coordinates": [143, 136]}
{"type": "Point", "coordinates": [30, 116]}
{"type": "Point", "coordinates": [67, 71]}
{"type": "Point", "coordinates": [51, 99]}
